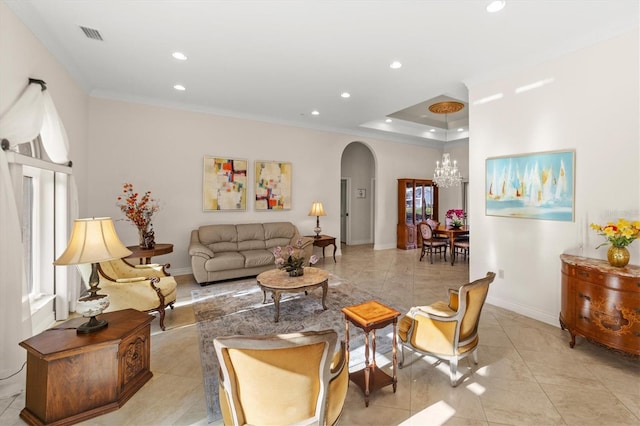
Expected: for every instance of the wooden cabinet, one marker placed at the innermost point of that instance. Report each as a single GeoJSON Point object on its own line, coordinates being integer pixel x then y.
{"type": "Point", "coordinates": [73, 377]}
{"type": "Point", "coordinates": [417, 201]}
{"type": "Point", "coordinates": [601, 302]}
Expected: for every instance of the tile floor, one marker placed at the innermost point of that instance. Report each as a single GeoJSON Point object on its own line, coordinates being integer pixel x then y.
{"type": "Point", "coordinates": [527, 374]}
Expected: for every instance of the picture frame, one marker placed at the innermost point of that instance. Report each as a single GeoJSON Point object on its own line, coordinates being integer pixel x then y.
{"type": "Point", "coordinates": [273, 185]}
{"type": "Point", "coordinates": [537, 185]}
{"type": "Point", "coordinates": [224, 184]}
{"type": "Point", "coordinates": [361, 193]}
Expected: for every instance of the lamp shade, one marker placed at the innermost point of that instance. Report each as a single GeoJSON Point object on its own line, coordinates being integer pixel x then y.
{"type": "Point", "coordinates": [92, 240]}
{"type": "Point", "coordinates": [317, 209]}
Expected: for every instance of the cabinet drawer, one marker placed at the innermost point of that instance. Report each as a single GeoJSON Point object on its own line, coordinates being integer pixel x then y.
{"type": "Point", "coordinates": [616, 282]}
{"type": "Point", "coordinates": [612, 316]}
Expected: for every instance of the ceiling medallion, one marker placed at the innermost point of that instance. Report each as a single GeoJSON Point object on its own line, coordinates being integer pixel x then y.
{"type": "Point", "coordinates": [446, 107]}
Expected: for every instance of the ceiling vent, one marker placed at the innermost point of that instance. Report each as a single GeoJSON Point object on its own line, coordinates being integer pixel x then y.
{"type": "Point", "coordinates": [91, 33]}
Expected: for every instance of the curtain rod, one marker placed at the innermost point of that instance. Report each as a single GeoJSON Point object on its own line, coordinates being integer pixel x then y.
{"type": "Point", "coordinates": [42, 83]}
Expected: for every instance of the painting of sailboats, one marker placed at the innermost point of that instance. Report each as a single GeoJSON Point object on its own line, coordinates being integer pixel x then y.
{"type": "Point", "coordinates": [532, 186]}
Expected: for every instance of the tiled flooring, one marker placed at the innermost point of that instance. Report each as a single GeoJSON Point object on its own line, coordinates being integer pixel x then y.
{"type": "Point", "coordinates": [527, 374]}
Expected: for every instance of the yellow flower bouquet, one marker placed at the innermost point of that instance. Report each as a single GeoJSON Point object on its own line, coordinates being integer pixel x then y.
{"type": "Point", "coordinates": [619, 234]}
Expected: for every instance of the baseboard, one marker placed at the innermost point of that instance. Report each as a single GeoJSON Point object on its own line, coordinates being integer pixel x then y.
{"type": "Point", "coordinates": [551, 319]}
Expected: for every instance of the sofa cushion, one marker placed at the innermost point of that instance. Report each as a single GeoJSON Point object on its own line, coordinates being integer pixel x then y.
{"type": "Point", "coordinates": [219, 238]}
{"type": "Point", "coordinates": [225, 260]}
{"type": "Point", "coordinates": [278, 234]}
{"type": "Point", "coordinates": [253, 258]}
{"type": "Point", "coordinates": [250, 237]}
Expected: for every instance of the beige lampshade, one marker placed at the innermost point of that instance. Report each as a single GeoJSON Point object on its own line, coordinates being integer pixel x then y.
{"type": "Point", "coordinates": [93, 240]}
{"type": "Point", "coordinates": [317, 209]}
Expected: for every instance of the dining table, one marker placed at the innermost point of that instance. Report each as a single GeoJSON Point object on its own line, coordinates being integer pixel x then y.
{"type": "Point", "coordinates": [452, 233]}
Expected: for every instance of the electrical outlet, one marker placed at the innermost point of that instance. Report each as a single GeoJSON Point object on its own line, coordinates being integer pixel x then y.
{"type": "Point", "coordinates": [500, 273]}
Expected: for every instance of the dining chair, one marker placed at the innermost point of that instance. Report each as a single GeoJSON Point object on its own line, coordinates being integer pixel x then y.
{"type": "Point", "coordinates": [431, 244]}
{"type": "Point", "coordinates": [434, 225]}
{"type": "Point", "coordinates": [447, 331]}
{"type": "Point", "coordinates": [460, 247]}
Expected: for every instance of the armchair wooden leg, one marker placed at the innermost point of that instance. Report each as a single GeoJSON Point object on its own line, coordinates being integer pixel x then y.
{"type": "Point", "coordinates": [453, 371]}
{"type": "Point", "coordinates": [161, 312]}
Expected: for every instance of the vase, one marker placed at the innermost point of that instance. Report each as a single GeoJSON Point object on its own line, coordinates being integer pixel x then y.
{"type": "Point", "coordinates": [146, 238]}
{"type": "Point", "coordinates": [298, 272]}
{"type": "Point", "coordinates": [618, 256]}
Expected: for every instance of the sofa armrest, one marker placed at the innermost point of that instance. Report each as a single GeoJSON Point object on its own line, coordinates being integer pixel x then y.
{"type": "Point", "coordinates": [200, 250]}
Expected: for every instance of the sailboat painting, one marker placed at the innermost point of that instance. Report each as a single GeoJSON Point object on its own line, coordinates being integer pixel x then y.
{"type": "Point", "coordinates": [532, 186]}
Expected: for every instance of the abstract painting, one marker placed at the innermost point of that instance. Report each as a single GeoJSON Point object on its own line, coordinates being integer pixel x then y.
{"type": "Point", "coordinates": [225, 184]}
{"type": "Point", "coordinates": [273, 185]}
{"type": "Point", "coordinates": [533, 186]}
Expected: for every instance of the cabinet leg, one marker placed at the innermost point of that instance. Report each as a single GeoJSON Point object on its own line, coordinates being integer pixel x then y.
{"type": "Point", "coordinates": [573, 340]}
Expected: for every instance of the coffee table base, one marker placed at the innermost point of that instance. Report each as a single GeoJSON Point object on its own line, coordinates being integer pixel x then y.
{"type": "Point", "coordinates": [275, 295]}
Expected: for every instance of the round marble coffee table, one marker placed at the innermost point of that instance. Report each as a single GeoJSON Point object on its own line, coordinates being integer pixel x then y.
{"type": "Point", "coordinates": [278, 281]}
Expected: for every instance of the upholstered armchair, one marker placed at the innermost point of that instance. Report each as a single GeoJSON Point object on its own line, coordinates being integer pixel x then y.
{"type": "Point", "coordinates": [146, 288]}
{"type": "Point", "coordinates": [447, 331]}
{"type": "Point", "coordinates": [282, 379]}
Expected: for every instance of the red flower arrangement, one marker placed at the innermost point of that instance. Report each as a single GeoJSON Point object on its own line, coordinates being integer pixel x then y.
{"type": "Point", "coordinates": [139, 212]}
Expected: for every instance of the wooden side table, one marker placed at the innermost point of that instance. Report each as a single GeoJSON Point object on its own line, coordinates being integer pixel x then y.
{"type": "Point", "coordinates": [324, 241]}
{"type": "Point", "coordinates": [73, 377]}
{"type": "Point", "coordinates": [147, 254]}
{"type": "Point", "coordinates": [370, 316]}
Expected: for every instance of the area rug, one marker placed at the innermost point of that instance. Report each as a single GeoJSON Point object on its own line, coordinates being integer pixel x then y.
{"type": "Point", "coordinates": [236, 308]}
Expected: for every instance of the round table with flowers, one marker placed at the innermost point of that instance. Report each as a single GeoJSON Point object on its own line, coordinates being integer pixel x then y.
{"type": "Point", "coordinates": [145, 254]}
{"type": "Point", "coordinates": [278, 281]}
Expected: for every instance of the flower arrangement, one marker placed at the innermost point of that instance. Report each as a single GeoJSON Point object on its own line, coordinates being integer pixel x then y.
{"type": "Point", "coordinates": [288, 260]}
{"type": "Point", "coordinates": [456, 216]}
{"type": "Point", "coordinates": [139, 212]}
{"type": "Point", "coordinates": [619, 234]}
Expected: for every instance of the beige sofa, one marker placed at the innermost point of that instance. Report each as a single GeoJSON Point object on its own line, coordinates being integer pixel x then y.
{"type": "Point", "coordinates": [222, 252]}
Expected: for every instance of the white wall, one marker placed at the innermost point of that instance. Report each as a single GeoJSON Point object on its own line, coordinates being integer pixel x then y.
{"type": "Point", "coordinates": [591, 105]}
{"type": "Point", "coordinates": [161, 150]}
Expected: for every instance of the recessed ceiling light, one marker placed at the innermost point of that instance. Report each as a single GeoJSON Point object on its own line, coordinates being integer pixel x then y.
{"type": "Point", "coordinates": [179, 56]}
{"type": "Point", "coordinates": [388, 120]}
{"type": "Point", "coordinates": [432, 130]}
{"type": "Point", "coordinates": [345, 95]}
{"type": "Point", "coordinates": [315, 112]}
{"type": "Point", "coordinates": [460, 129]}
{"type": "Point", "coordinates": [180, 87]}
{"type": "Point", "coordinates": [496, 6]}
{"type": "Point", "coordinates": [395, 65]}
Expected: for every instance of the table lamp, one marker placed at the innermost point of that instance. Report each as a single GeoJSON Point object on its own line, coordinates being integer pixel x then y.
{"type": "Point", "coordinates": [92, 241]}
{"type": "Point", "coordinates": [317, 210]}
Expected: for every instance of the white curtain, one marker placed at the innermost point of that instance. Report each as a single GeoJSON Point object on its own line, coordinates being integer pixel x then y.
{"type": "Point", "coordinates": [32, 114]}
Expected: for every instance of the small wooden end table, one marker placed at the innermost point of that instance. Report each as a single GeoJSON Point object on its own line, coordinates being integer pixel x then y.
{"type": "Point", "coordinates": [278, 281]}
{"type": "Point", "coordinates": [370, 316]}
{"type": "Point", "coordinates": [324, 241]}
{"type": "Point", "coordinates": [146, 254]}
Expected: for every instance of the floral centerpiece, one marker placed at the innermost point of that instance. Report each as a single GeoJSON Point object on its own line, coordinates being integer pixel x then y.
{"type": "Point", "coordinates": [619, 236]}
{"type": "Point", "coordinates": [139, 212]}
{"type": "Point", "coordinates": [291, 259]}
{"type": "Point", "coordinates": [456, 217]}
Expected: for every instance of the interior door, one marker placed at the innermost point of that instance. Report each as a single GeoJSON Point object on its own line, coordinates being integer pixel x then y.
{"type": "Point", "coordinates": [344, 213]}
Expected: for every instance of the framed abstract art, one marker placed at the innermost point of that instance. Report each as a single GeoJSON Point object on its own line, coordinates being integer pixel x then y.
{"type": "Point", "coordinates": [273, 185]}
{"type": "Point", "coordinates": [533, 186]}
{"type": "Point", "coordinates": [224, 185]}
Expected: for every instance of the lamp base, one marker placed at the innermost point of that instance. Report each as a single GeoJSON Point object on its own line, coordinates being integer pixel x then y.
{"type": "Point", "coordinates": [317, 230]}
{"type": "Point", "coordinates": [92, 326]}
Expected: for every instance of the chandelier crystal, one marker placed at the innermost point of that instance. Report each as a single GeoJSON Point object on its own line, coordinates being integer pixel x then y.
{"type": "Point", "coordinates": [447, 173]}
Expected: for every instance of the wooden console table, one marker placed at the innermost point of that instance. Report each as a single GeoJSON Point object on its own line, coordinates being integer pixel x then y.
{"type": "Point", "coordinates": [324, 241]}
{"type": "Point", "coordinates": [601, 302]}
{"type": "Point", "coordinates": [73, 377]}
{"type": "Point", "coordinates": [147, 254]}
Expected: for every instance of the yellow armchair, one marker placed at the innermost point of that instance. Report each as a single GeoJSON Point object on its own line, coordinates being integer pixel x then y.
{"type": "Point", "coordinates": [447, 331]}
{"type": "Point", "coordinates": [146, 288]}
{"type": "Point", "coordinates": [282, 379]}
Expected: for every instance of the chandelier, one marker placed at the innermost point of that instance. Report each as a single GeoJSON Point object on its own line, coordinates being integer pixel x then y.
{"type": "Point", "coordinates": [447, 173]}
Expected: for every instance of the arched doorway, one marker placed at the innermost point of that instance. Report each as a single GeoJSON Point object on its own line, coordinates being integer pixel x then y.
{"type": "Point", "coordinates": [357, 194]}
